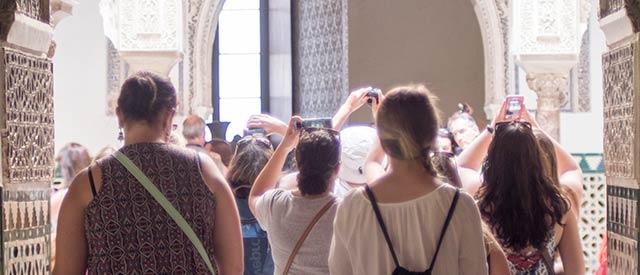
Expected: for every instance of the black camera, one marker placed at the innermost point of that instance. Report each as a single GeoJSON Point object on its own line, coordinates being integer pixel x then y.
{"type": "Point", "coordinates": [374, 93]}
{"type": "Point", "coordinates": [315, 123]}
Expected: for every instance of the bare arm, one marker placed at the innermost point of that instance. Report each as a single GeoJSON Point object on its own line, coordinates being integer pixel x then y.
{"type": "Point", "coordinates": [268, 123]}
{"type": "Point", "coordinates": [373, 167]}
{"type": "Point", "coordinates": [227, 237]}
{"type": "Point", "coordinates": [476, 152]}
{"type": "Point", "coordinates": [71, 243]}
{"type": "Point", "coordinates": [270, 174]}
{"type": "Point", "coordinates": [355, 100]}
{"type": "Point", "coordinates": [570, 246]}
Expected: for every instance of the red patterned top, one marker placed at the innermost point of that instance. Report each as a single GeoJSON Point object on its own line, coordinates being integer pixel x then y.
{"type": "Point", "coordinates": [128, 232]}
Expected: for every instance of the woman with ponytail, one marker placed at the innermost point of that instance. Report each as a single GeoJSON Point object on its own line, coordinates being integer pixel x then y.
{"type": "Point", "coordinates": [299, 222]}
{"type": "Point", "coordinates": [406, 221]}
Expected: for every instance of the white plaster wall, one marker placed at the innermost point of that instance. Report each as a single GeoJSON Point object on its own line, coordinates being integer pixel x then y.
{"type": "Point", "coordinates": [583, 132]}
{"type": "Point", "coordinates": [80, 85]}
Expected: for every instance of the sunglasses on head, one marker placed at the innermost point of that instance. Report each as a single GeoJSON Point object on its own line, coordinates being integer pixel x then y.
{"type": "Point", "coordinates": [500, 125]}
{"type": "Point", "coordinates": [260, 141]}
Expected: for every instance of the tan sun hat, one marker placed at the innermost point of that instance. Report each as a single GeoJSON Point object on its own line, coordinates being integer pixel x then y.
{"type": "Point", "coordinates": [356, 143]}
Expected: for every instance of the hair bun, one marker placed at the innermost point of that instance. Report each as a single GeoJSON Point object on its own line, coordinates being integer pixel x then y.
{"type": "Point", "coordinates": [144, 95]}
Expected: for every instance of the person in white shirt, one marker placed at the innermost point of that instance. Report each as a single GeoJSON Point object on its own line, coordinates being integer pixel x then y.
{"type": "Point", "coordinates": [431, 226]}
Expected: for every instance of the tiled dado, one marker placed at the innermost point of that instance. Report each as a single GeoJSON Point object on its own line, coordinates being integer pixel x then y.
{"type": "Point", "coordinates": [622, 225]}
{"type": "Point", "coordinates": [26, 232]}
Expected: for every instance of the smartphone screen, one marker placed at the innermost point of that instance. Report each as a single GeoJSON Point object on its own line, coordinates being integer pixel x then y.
{"type": "Point", "coordinates": [514, 104]}
{"type": "Point", "coordinates": [317, 123]}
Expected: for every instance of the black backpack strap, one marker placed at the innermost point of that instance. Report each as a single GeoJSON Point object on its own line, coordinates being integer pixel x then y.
{"type": "Point", "coordinates": [444, 228]}
{"type": "Point", "coordinates": [383, 227]}
{"type": "Point", "coordinates": [91, 183]}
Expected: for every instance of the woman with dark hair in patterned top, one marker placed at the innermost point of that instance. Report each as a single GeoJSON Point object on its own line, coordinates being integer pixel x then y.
{"type": "Point", "coordinates": [109, 223]}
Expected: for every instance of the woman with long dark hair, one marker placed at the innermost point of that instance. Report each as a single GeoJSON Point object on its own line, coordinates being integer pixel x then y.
{"type": "Point", "coordinates": [526, 210]}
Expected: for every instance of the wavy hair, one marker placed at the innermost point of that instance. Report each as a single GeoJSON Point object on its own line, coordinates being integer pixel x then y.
{"type": "Point", "coordinates": [518, 199]}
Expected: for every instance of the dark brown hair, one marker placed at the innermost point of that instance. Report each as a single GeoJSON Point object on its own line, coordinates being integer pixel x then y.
{"type": "Point", "coordinates": [549, 153]}
{"type": "Point", "coordinates": [518, 198]}
{"type": "Point", "coordinates": [317, 158]}
{"type": "Point", "coordinates": [246, 165]}
{"type": "Point", "coordinates": [408, 124]}
{"type": "Point", "coordinates": [145, 96]}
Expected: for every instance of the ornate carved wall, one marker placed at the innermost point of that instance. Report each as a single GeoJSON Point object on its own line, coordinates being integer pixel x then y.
{"type": "Point", "coordinates": [320, 57]}
{"type": "Point", "coordinates": [621, 84]}
{"type": "Point", "coordinates": [26, 135]}
{"type": "Point", "coordinates": [27, 157]}
{"type": "Point", "coordinates": [593, 224]}
{"type": "Point", "coordinates": [621, 68]}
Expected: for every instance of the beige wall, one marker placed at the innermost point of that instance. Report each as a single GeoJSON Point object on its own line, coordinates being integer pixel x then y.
{"type": "Point", "coordinates": [436, 42]}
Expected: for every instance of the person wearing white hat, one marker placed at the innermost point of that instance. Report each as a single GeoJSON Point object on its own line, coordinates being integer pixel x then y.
{"type": "Point", "coordinates": [356, 144]}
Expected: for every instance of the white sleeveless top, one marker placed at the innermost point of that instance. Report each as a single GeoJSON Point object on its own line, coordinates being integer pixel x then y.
{"type": "Point", "coordinates": [358, 245]}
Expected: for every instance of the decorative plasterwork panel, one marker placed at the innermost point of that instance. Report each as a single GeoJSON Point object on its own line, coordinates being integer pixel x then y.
{"type": "Point", "coordinates": [143, 25]}
{"type": "Point", "coordinates": [622, 227]}
{"type": "Point", "coordinates": [34, 8]}
{"type": "Point", "coordinates": [201, 21]}
{"type": "Point", "coordinates": [27, 145]}
{"type": "Point", "coordinates": [620, 84]}
{"type": "Point", "coordinates": [117, 71]}
{"type": "Point", "coordinates": [608, 7]}
{"type": "Point", "coordinates": [26, 99]}
{"type": "Point", "coordinates": [320, 56]}
{"type": "Point", "coordinates": [547, 26]}
{"type": "Point", "coordinates": [583, 86]}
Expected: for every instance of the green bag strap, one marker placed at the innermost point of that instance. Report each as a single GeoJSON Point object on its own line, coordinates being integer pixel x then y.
{"type": "Point", "coordinates": [162, 200]}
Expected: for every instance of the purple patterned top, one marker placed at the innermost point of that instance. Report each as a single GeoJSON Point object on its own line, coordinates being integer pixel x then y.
{"type": "Point", "coordinates": [128, 232]}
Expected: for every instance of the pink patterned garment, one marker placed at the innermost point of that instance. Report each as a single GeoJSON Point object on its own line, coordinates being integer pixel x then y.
{"type": "Point", "coordinates": [128, 232]}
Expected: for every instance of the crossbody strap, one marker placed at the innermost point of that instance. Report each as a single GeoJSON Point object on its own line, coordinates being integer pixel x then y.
{"type": "Point", "coordinates": [452, 208]}
{"type": "Point", "coordinates": [305, 234]}
{"type": "Point", "coordinates": [167, 206]}
{"type": "Point", "coordinates": [383, 226]}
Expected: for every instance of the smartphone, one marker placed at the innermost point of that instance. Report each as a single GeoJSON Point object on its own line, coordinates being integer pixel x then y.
{"type": "Point", "coordinates": [514, 104]}
{"type": "Point", "coordinates": [315, 123]}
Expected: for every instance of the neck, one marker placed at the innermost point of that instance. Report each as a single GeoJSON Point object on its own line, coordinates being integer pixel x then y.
{"type": "Point", "coordinates": [143, 133]}
{"type": "Point", "coordinates": [409, 168]}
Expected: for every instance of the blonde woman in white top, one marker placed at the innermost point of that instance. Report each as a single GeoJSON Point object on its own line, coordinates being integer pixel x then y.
{"type": "Point", "coordinates": [414, 207]}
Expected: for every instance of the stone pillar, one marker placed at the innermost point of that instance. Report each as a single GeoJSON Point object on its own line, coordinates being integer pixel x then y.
{"type": "Point", "coordinates": [26, 135]}
{"type": "Point", "coordinates": [552, 92]}
{"type": "Point", "coordinates": [620, 21]}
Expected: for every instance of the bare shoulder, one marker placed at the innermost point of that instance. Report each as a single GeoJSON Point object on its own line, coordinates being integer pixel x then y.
{"type": "Point", "coordinates": [211, 175]}
{"type": "Point", "coordinates": [79, 191]}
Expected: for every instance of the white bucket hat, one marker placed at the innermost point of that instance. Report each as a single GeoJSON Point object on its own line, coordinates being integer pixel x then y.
{"type": "Point", "coordinates": [356, 143]}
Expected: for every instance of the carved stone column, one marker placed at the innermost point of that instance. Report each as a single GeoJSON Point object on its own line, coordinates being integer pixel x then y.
{"type": "Point", "coordinates": [26, 135]}
{"type": "Point", "coordinates": [620, 21]}
{"type": "Point", "coordinates": [552, 92]}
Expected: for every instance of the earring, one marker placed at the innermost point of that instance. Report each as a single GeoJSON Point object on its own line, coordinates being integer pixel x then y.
{"type": "Point", "coordinates": [120, 135]}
